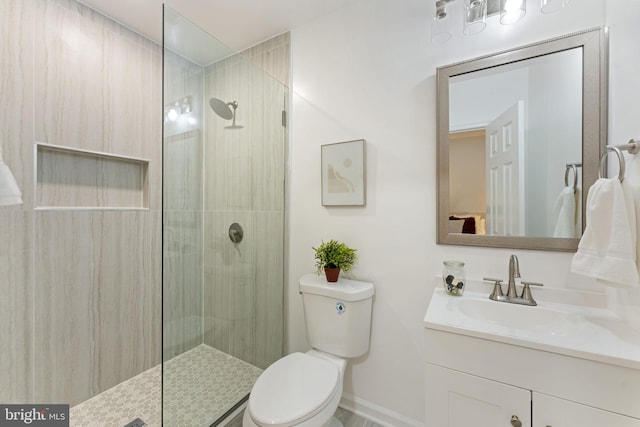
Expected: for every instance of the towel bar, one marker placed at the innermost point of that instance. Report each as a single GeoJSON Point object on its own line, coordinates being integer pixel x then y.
{"type": "Point", "coordinates": [633, 147]}
{"type": "Point", "coordinates": [601, 170]}
{"type": "Point", "coordinates": [571, 167]}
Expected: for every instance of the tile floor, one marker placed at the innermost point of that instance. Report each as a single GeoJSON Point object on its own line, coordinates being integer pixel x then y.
{"type": "Point", "coordinates": [194, 396]}
{"type": "Point", "coordinates": [347, 418]}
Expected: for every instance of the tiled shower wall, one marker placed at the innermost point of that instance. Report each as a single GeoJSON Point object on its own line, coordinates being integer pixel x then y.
{"type": "Point", "coordinates": [244, 183]}
{"type": "Point", "coordinates": [80, 307]}
{"type": "Point", "coordinates": [81, 289]}
{"type": "Point", "coordinates": [183, 209]}
{"type": "Point", "coordinates": [240, 179]}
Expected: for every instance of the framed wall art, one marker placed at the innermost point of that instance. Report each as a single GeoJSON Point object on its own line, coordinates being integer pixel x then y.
{"type": "Point", "coordinates": [343, 173]}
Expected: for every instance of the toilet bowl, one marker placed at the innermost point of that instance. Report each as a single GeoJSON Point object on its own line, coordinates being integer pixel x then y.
{"type": "Point", "coordinates": [301, 389]}
{"type": "Point", "coordinates": [304, 389]}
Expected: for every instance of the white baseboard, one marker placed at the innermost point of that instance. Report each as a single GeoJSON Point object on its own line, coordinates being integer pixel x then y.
{"type": "Point", "coordinates": [375, 413]}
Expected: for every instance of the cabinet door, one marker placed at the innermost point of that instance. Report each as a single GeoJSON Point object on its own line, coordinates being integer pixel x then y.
{"type": "Point", "coordinates": [456, 399]}
{"type": "Point", "coordinates": [553, 412]}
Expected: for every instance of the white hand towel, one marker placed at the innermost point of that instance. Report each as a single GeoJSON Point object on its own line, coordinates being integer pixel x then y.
{"type": "Point", "coordinates": [9, 191]}
{"type": "Point", "coordinates": [565, 211]}
{"type": "Point", "coordinates": [578, 230]}
{"type": "Point", "coordinates": [607, 250]}
{"type": "Point", "coordinates": [632, 180]}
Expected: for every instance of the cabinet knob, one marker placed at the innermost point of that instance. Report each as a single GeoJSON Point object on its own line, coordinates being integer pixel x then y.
{"type": "Point", "coordinates": [515, 421]}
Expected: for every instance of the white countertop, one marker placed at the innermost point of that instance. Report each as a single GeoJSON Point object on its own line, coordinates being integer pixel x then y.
{"type": "Point", "coordinates": [584, 331]}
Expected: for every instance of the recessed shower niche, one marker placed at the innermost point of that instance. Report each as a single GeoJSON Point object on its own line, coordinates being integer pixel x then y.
{"type": "Point", "coordinates": [68, 178]}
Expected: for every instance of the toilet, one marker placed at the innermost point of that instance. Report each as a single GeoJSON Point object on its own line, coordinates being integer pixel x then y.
{"type": "Point", "coordinates": [304, 389]}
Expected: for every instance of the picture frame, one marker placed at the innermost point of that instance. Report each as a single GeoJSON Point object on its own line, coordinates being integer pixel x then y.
{"type": "Point", "coordinates": [343, 173]}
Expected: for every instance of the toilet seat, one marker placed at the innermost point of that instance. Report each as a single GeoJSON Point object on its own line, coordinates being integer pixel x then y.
{"type": "Point", "coordinates": [292, 390]}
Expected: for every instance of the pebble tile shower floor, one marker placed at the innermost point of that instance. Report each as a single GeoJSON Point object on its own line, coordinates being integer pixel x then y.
{"type": "Point", "coordinates": [200, 385]}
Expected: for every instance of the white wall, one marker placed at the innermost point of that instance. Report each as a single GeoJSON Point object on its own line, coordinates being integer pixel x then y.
{"type": "Point", "coordinates": [368, 71]}
{"type": "Point", "coordinates": [476, 102]}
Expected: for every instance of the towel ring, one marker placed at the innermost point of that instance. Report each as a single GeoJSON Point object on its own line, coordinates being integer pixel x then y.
{"type": "Point", "coordinates": [603, 156]}
{"type": "Point", "coordinates": [574, 168]}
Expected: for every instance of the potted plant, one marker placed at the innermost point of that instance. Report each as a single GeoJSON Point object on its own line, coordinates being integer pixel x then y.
{"type": "Point", "coordinates": [333, 256]}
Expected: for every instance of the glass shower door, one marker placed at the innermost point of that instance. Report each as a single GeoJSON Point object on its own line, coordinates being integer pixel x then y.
{"type": "Point", "coordinates": [223, 224]}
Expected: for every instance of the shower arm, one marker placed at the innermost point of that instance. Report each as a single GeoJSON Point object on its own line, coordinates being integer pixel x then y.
{"type": "Point", "coordinates": [234, 105]}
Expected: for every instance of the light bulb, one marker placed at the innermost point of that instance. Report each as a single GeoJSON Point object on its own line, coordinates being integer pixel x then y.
{"type": "Point", "coordinates": [512, 11]}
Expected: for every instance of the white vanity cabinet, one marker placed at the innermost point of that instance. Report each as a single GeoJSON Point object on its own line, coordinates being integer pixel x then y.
{"type": "Point", "coordinates": [487, 362]}
{"type": "Point", "coordinates": [478, 382]}
{"type": "Point", "coordinates": [456, 399]}
{"type": "Point", "coordinates": [550, 411]}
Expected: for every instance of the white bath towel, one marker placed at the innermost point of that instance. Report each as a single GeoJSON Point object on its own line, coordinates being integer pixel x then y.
{"type": "Point", "coordinates": [9, 191]}
{"type": "Point", "coordinates": [607, 250]}
{"type": "Point", "coordinates": [565, 211]}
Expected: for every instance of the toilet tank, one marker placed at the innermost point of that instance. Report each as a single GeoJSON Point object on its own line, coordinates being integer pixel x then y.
{"type": "Point", "coordinates": [337, 315]}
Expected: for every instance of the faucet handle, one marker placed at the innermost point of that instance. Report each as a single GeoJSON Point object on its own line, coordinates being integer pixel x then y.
{"type": "Point", "coordinates": [526, 291]}
{"type": "Point", "coordinates": [531, 283]}
{"type": "Point", "coordinates": [497, 287]}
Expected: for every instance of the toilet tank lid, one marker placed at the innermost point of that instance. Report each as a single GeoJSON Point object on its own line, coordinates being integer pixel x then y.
{"type": "Point", "coordinates": [343, 289]}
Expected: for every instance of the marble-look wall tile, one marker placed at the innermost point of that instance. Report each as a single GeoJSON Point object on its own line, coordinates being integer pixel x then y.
{"type": "Point", "coordinates": [16, 315]}
{"type": "Point", "coordinates": [273, 57]}
{"type": "Point", "coordinates": [89, 314]}
{"type": "Point", "coordinates": [183, 172]}
{"type": "Point", "coordinates": [94, 86]}
{"type": "Point", "coordinates": [228, 151]}
{"type": "Point", "coordinates": [16, 251]}
{"type": "Point", "coordinates": [268, 155]}
{"type": "Point", "coordinates": [66, 179]}
{"type": "Point", "coordinates": [259, 144]}
{"type": "Point", "coordinates": [183, 78]}
{"type": "Point", "coordinates": [16, 89]}
{"type": "Point", "coordinates": [15, 231]}
{"type": "Point", "coordinates": [183, 220]}
{"type": "Point", "coordinates": [182, 284]}
{"type": "Point", "coordinates": [229, 285]}
{"type": "Point", "coordinates": [97, 304]}
{"type": "Point", "coordinates": [244, 182]}
{"type": "Point", "coordinates": [243, 286]}
{"type": "Point", "coordinates": [269, 279]}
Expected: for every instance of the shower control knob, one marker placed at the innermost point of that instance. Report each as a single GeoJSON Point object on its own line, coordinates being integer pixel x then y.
{"type": "Point", "coordinates": [515, 421]}
{"type": "Point", "coordinates": [235, 233]}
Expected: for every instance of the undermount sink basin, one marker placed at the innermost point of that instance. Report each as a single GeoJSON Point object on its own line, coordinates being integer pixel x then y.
{"type": "Point", "coordinates": [580, 331]}
{"type": "Point", "coordinates": [512, 316]}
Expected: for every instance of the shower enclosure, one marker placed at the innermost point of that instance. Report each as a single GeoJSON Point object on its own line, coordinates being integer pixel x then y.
{"type": "Point", "coordinates": [223, 219]}
{"type": "Point", "coordinates": [120, 266]}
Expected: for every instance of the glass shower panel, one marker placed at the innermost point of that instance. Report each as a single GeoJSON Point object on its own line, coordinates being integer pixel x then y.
{"type": "Point", "coordinates": [223, 224]}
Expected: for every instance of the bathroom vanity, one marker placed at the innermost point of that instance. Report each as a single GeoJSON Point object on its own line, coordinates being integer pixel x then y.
{"type": "Point", "coordinates": [561, 364]}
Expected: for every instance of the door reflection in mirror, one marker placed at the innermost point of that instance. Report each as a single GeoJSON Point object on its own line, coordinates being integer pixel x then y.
{"type": "Point", "coordinates": [530, 113]}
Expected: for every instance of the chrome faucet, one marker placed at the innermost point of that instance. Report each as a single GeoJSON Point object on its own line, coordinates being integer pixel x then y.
{"type": "Point", "coordinates": [512, 295]}
{"type": "Point", "coordinates": [514, 273]}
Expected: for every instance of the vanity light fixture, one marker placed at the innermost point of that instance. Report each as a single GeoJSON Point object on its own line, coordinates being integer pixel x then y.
{"type": "Point", "coordinates": [511, 11]}
{"type": "Point", "coordinates": [177, 109]}
{"type": "Point", "coordinates": [475, 13]}
{"type": "Point", "coordinates": [550, 6]}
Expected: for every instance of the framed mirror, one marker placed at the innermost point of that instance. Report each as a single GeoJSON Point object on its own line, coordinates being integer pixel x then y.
{"type": "Point", "coordinates": [519, 137]}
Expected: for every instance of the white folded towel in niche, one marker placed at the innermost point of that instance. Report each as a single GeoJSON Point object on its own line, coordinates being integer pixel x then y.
{"type": "Point", "coordinates": [9, 191]}
{"type": "Point", "coordinates": [607, 250]}
{"type": "Point", "coordinates": [565, 211]}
